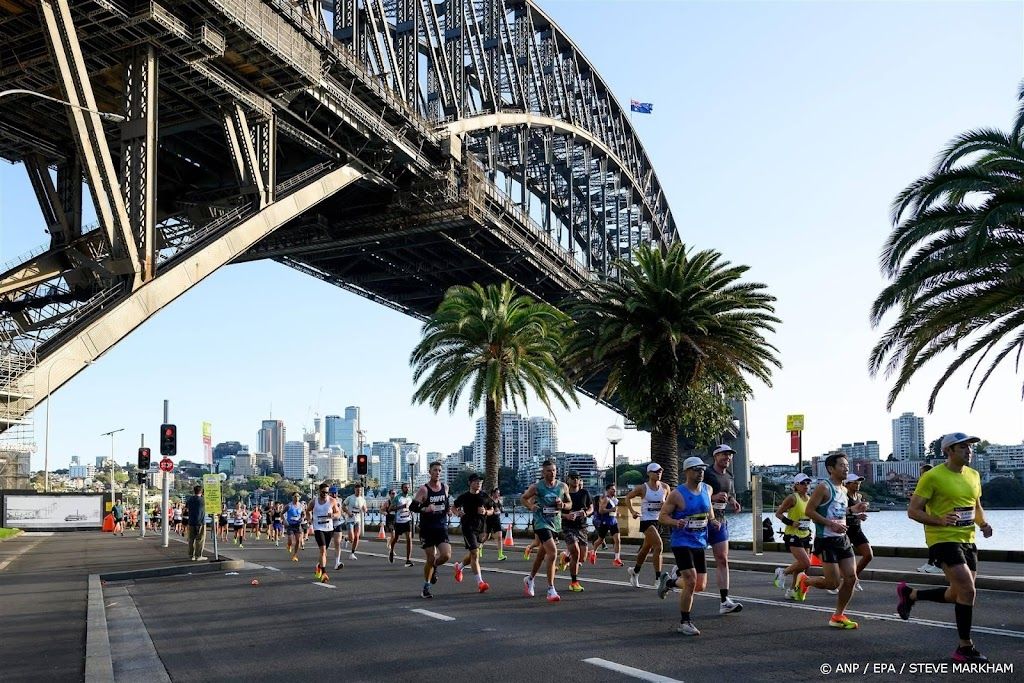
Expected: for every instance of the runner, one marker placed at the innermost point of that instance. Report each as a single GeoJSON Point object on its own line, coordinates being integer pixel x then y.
{"type": "Point", "coordinates": [294, 515]}
{"type": "Point", "coordinates": [355, 508]}
{"type": "Point", "coordinates": [494, 529]}
{"type": "Point", "coordinates": [239, 523]}
{"type": "Point", "coordinates": [723, 497]}
{"type": "Point", "coordinates": [574, 528]}
{"type": "Point", "coordinates": [854, 532]}
{"type": "Point", "coordinates": [545, 499]}
{"type": "Point", "coordinates": [796, 535]}
{"type": "Point", "coordinates": [431, 501]}
{"type": "Point", "coordinates": [947, 501]}
{"type": "Point", "coordinates": [118, 513]}
{"type": "Point", "coordinates": [322, 512]}
{"type": "Point", "coordinates": [403, 524]}
{"type": "Point", "coordinates": [338, 519]}
{"type": "Point", "coordinates": [827, 509]}
{"type": "Point", "coordinates": [176, 518]}
{"type": "Point", "coordinates": [607, 523]}
{"type": "Point", "coordinates": [255, 519]}
{"type": "Point", "coordinates": [652, 495]}
{"type": "Point", "coordinates": [389, 518]}
{"type": "Point", "coordinates": [688, 511]}
{"type": "Point", "coordinates": [473, 507]}
{"type": "Point", "coordinates": [222, 522]}
{"type": "Point", "coordinates": [276, 523]}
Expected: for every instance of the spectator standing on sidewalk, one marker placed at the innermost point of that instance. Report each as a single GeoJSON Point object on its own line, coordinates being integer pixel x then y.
{"type": "Point", "coordinates": [196, 523]}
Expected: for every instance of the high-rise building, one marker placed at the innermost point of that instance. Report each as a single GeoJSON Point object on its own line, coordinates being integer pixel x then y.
{"type": "Point", "coordinates": [513, 444]}
{"type": "Point", "coordinates": [543, 437]}
{"type": "Point", "coordinates": [271, 440]}
{"type": "Point", "coordinates": [296, 459]}
{"type": "Point", "coordinates": [908, 437]}
{"type": "Point", "coordinates": [860, 450]}
{"type": "Point", "coordinates": [331, 464]}
{"type": "Point", "coordinates": [318, 430]}
{"type": "Point", "coordinates": [348, 437]}
{"type": "Point", "coordinates": [385, 461]}
{"type": "Point", "coordinates": [244, 464]}
{"type": "Point", "coordinates": [332, 431]}
{"type": "Point", "coordinates": [585, 465]}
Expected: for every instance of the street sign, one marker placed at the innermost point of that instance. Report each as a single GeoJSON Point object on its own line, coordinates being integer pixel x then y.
{"type": "Point", "coordinates": [794, 442]}
{"type": "Point", "coordinates": [166, 464]}
{"type": "Point", "coordinates": [794, 423]}
{"type": "Point", "coordinates": [211, 492]}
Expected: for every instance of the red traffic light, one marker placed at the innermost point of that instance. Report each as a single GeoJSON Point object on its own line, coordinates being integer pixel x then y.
{"type": "Point", "coordinates": [168, 439]}
{"type": "Point", "coordinates": [361, 464]}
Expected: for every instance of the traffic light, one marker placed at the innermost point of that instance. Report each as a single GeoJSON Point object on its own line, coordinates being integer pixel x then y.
{"type": "Point", "coordinates": [361, 464]}
{"type": "Point", "coordinates": [144, 459]}
{"type": "Point", "coordinates": [168, 439]}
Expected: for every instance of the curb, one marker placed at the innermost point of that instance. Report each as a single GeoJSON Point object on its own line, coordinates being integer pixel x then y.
{"type": "Point", "coordinates": [18, 532]}
{"type": "Point", "coordinates": [99, 666]}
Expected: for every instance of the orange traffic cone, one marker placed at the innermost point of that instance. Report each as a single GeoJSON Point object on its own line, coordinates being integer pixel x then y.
{"type": "Point", "coordinates": [815, 560]}
{"type": "Point", "coordinates": [380, 533]}
{"type": "Point", "coordinates": [508, 535]}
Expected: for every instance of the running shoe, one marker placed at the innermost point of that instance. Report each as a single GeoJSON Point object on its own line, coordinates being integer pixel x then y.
{"type": "Point", "coordinates": [563, 562]}
{"type": "Point", "coordinates": [616, 562]}
{"type": "Point", "coordinates": [319, 572]}
{"type": "Point", "coordinates": [426, 593]}
{"type": "Point", "coordinates": [792, 594]}
{"type": "Point", "coordinates": [969, 654]}
{"type": "Point", "coordinates": [842, 621]}
{"type": "Point", "coordinates": [728, 607]}
{"type": "Point", "coordinates": [832, 591]}
{"type": "Point", "coordinates": [526, 553]}
{"type": "Point", "coordinates": [240, 545]}
{"type": "Point", "coordinates": [458, 573]}
{"type": "Point", "coordinates": [663, 585]}
{"type": "Point", "coordinates": [903, 601]}
{"type": "Point", "coordinates": [324, 578]}
{"type": "Point", "coordinates": [553, 595]}
{"type": "Point", "coordinates": [408, 563]}
{"type": "Point", "coordinates": [502, 557]}
{"type": "Point", "coordinates": [687, 629]}
{"type": "Point", "coordinates": [575, 586]}
{"type": "Point", "coordinates": [857, 586]}
{"type": "Point", "coordinates": [927, 568]}
{"type": "Point", "coordinates": [353, 557]}
{"type": "Point", "coordinates": [592, 556]}
{"type": "Point", "coordinates": [802, 588]}
{"type": "Point", "coordinates": [295, 558]}
{"type": "Point", "coordinates": [391, 556]}
{"type": "Point", "coordinates": [634, 578]}
{"type": "Point", "coordinates": [780, 574]}
{"type": "Point", "coordinates": [482, 586]}
{"type": "Point", "coordinates": [528, 586]}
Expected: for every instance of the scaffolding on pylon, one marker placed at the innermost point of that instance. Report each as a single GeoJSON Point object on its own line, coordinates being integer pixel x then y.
{"type": "Point", "coordinates": [17, 436]}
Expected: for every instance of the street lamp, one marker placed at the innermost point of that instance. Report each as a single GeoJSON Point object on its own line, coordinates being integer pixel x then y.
{"type": "Point", "coordinates": [105, 115]}
{"type": "Point", "coordinates": [111, 435]}
{"type": "Point", "coordinates": [614, 435]}
{"type": "Point", "coordinates": [311, 471]}
{"type": "Point", "coordinates": [46, 432]}
{"type": "Point", "coordinates": [412, 459]}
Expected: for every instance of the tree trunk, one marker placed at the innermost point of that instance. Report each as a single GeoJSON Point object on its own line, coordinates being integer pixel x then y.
{"type": "Point", "coordinates": [492, 445]}
{"type": "Point", "coordinates": [665, 452]}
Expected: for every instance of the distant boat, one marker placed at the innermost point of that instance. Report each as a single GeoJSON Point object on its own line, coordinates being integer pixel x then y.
{"type": "Point", "coordinates": [77, 517]}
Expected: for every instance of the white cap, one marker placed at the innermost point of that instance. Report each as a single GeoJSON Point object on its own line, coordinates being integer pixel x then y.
{"type": "Point", "coordinates": [654, 467]}
{"type": "Point", "coordinates": [693, 461]}
{"type": "Point", "coordinates": [957, 437]}
{"type": "Point", "coordinates": [851, 477]}
{"type": "Point", "coordinates": [724, 448]}
{"type": "Point", "coordinates": [800, 479]}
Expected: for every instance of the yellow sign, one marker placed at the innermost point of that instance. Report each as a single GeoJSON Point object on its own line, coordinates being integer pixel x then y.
{"type": "Point", "coordinates": [211, 492]}
{"type": "Point", "coordinates": [794, 423]}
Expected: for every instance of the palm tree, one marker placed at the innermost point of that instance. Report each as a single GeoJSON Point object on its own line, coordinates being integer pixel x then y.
{"type": "Point", "coordinates": [675, 326]}
{"type": "Point", "coordinates": [956, 262]}
{"type": "Point", "coordinates": [497, 345]}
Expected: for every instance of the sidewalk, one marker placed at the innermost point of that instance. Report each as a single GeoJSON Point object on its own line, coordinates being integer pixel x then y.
{"type": "Point", "coordinates": [44, 590]}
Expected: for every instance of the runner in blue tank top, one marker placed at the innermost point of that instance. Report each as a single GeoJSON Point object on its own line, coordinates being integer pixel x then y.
{"type": "Point", "coordinates": [688, 512]}
{"type": "Point", "coordinates": [545, 499]}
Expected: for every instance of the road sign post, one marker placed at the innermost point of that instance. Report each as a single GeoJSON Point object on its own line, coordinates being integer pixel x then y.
{"type": "Point", "coordinates": [165, 491]}
{"type": "Point", "coordinates": [795, 427]}
{"type": "Point", "coordinates": [211, 495]}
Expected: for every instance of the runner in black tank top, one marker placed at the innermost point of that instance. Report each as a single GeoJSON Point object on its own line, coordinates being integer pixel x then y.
{"type": "Point", "coordinates": [431, 501]}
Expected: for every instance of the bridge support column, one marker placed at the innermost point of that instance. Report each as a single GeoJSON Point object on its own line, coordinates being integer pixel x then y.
{"type": "Point", "coordinates": [138, 153]}
{"type": "Point", "coordinates": [49, 199]}
{"type": "Point", "coordinates": [243, 153]}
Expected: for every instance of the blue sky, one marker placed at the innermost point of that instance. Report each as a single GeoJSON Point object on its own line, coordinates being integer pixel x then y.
{"type": "Point", "coordinates": [781, 132]}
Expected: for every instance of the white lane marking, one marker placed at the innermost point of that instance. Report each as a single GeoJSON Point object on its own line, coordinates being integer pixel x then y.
{"type": "Point", "coordinates": [323, 585]}
{"type": "Point", "coordinates": [433, 615]}
{"type": "Point", "coordinates": [273, 569]}
{"type": "Point", "coordinates": [6, 563]}
{"type": "Point", "coordinates": [630, 671]}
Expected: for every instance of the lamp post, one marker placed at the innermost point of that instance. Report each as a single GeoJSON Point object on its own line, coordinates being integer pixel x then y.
{"type": "Point", "coordinates": [111, 435]}
{"type": "Point", "coordinates": [412, 459]}
{"type": "Point", "coordinates": [311, 471]}
{"type": "Point", "coordinates": [46, 432]}
{"type": "Point", "coordinates": [614, 435]}
{"type": "Point", "coordinates": [105, 115]}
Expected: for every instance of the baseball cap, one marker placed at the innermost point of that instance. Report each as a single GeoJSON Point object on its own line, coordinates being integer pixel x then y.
{"type": "Point", "coordinates": [724, 448]}
{"type": "Point", "coordinates": [654, 467]}
{"type": "Point", "coordinates": [333, 490]}
{"type": "Point", "coordinates": [957, 437]}
{"type": "Point", "coordinates": [573, 474]}
{"type": "Point", "coordinates": [801, 479]}
{"type": "Point", "coordinates": [851, 477]}
{"type": "Point", "coordinates": [474, 477]}
{"type": "Point", "coordinates": [693, 461]}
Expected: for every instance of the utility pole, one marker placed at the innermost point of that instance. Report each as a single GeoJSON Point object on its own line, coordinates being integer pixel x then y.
{"type": "Point", "coordinates": [165, 493]}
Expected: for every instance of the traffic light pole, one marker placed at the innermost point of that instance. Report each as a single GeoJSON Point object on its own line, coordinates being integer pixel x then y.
{"type": "Point", "coordinates": [165, 493]}
{"type": "Point", "coordinates": [142, 493]}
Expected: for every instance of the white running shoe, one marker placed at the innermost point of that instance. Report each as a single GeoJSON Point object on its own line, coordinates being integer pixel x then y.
{"type": "Point", "coordinates": [780, 574]}
{"type": "Point", "coordinates": [663, 588]}
{"type": "Point", "coordinates": [353, 557]}
{"type": "Point", "coordinates": [528, 586]}
{"type": "Point", "coordinates": [790, 594]}
{"type": "Point", "coordinates": [553, 595]}
{"type": "Point", "coordinates": [929, 569]}
{"type": "Point", "coordinates": [729, 606]}
{"type": "Point", "coordinates": [833, 591]}
{"type": "Point", "coordinates": [687, 629]}
{"type": "Point", "coordinates": [634, 578]}
{"type": "Point", "coordinates": [857, 586]}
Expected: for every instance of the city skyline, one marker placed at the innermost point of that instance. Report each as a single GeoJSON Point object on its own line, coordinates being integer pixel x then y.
{"type": "Point", "coordinates": [760, 90]}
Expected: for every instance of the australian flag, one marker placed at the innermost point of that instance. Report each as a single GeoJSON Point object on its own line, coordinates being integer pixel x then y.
{"type": "Point", "coordinates": [641, 107]}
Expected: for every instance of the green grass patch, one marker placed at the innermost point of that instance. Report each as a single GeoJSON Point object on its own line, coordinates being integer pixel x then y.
{"type": "Point", "coordinates": [7, 533]}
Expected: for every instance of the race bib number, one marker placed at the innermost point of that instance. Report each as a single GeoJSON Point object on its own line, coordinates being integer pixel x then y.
{"type": "Point", "coordinates": [404, 517]}
{"type": "Point", "coordinates": [803, 524]}
{"type": "Point", "coordinates": [548, 511]}
{"type": "Point", "coordinates": [323, 519]}
{"type": "Point", "coordinates": [697, 524]}
{"type": "Point", "coordinates": [718, 506]}
{"type": "Point", "coordinates": [964, 516]}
